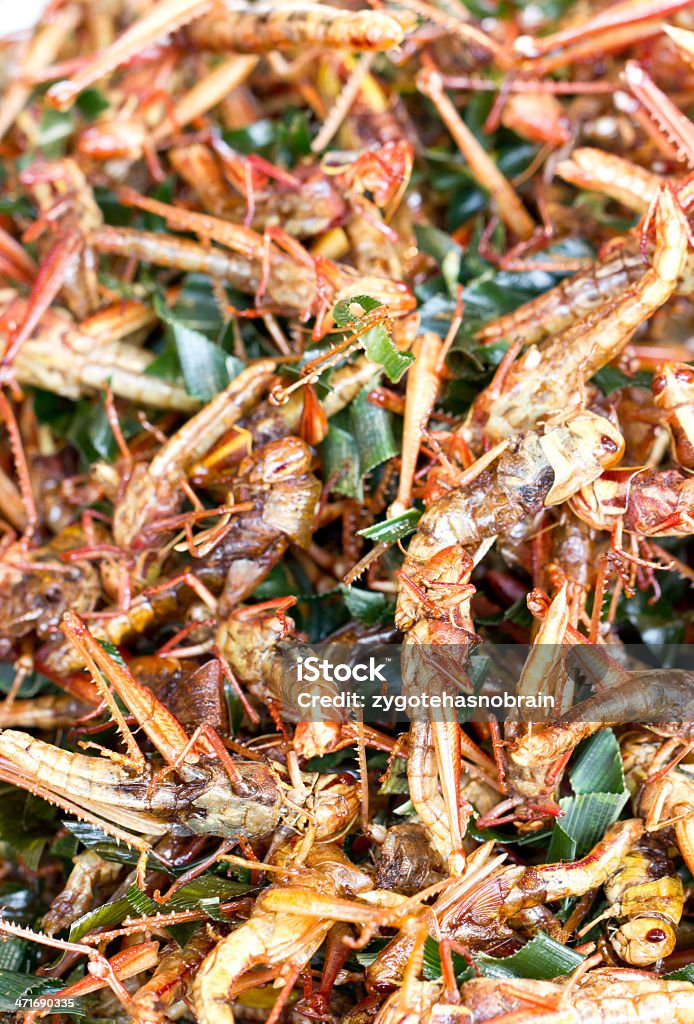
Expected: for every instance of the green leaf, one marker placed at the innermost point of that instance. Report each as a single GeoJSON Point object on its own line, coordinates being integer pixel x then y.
{"type": "Point", "coordinates": [197, 307]}
{"type": "Point", "coordinates": [542, 958]}
{"type": "Point", "coordinates": [597, 767]}
{"type": "Point", "coordinates": [254, 138]}
{"type": "Point", "coordinates": [376, 342]}
{"type": "Point", "coordinates": [379, 348]}
{"type": "Point", "coordinates": [366, 606]}
{"type": "Point", "coordinates": [431, 968]}
{"type": "Point", "coordinates": [293, 136]}
{"type": "Point", "coordinates": [660, 625]}
{"type": "Point", "coordinates": [17, 903]}
{"type": "Point", "coordinates": [491, 296]}
{"type": "Point", "coordinates": [441, 247]}
{"type": "Point", "coordinates": [91, 103]}
{"type": "Point", "coordinates": [587, 818]}
{"type": "Point", "coordinates": [97, 839]}
{"type": "Point", "coordinates": [105, 916]}
{"type": "Point", "coordinates": [561, 847]}
{"type": "Point", "coordinates": [113, 652]}
{"type": "Point", "coordinates": [32, 685]}
{"type": "Point", "coordinates": [395, 782]}
{"type": "Point", "coordinates": [366, 956]}
{"type": "Point", "coordinates": [91, 433]}
{"type": "Point", "coordinates": [55, 128]}
{"type": "Point", "coordinates": [372, 429]}
{"type": "Point", "coordinates": [345, 313]}
{"type": "Point", "coordinates": [683, 974]}
{"type": "Point", "coordinates": [610, 378]}
{"type": "Point", "coordinates": [166, 365]}
{"type": "Point", "coordinates": [203, 364]}
{"type": "Point", "coordinates": [16, 205]}
{"type": "Point", "coordinates": [391, 530]}
{"type": "Point", "coordinates": [435, 314]}
{"type": "Point", "coordinates": [140, 903]}
{"type": "Point", "coordinates": [204, 893]}
{"type": "Point", "coordinates": [13, 954]}
{"type": "Point", "coordinates": [339, 457]}
{"type": "Point", "coordinates": [25, 825]}
{"type": "Point", "coordinates": [15, 987]}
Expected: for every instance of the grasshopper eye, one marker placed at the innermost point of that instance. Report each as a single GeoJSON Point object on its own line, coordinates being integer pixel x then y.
{"type": "Point", "coordinates": [656, 935]}
{"type": "Point", "coordinates": [608, 443]}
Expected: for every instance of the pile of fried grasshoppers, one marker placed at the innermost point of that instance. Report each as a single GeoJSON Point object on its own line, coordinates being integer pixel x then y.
{"type": "Point", "coordinates": [354, 324]}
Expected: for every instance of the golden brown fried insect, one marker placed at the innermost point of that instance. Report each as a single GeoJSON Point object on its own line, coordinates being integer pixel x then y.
{"type": "Point", "coordinates": [278, 495]}
{"type": "Point", "coordinates": [89, 873]}
{"type": "Point", "coordinates": [673, 391]}
{"type": "Point", "coordinates": [610, 994]}
{"type": "Point", "coordinates": [405, 861]}
{"type": "Point", "coordinates": [515, 479]}
{"type": "Point", "coordinates": [306, 204]}
{"type": "Point", "coordinates": [39, 586]}
{"type": "Point", "coordinates": [285, 494]}
{"type": "Point", "coordinates": [551, 378]}
{"type": "Point", "coordinates": [258, 28]}
{"type": "Point", "coordinates": [172, 979]}
{"type": "Point", "coordinates": [283, 931]}
{"type": "Point", "coordinates": [482, 908]}
{"type": "Point", "coordinates": [64, 358]}
{"type": "Point", "coordinates": [642, 502]}
{"type": "Point", "coordinates": [123, 794]}
{"type": "Point", "coordinates": [153, 490]}
{"type": "Point", "coordinates": [647, 899]}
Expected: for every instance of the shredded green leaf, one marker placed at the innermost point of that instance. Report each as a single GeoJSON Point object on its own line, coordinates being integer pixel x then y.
{"type": "Point", "coordinates": [203, 364]}
{"type": "Point", "coordinates": [376, 342]}
{"type": "Point", "coordinates": [391, 530]}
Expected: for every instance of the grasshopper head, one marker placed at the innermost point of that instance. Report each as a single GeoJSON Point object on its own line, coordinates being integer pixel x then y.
{"type": "Point", "coordinates": [643, 941]}
{"type": "Point", "coordinates": [248, 805]}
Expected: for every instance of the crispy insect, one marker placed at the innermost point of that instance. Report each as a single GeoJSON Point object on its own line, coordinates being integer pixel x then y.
{"type": "Point", "coordinates": [647, 899]}
{"type": "Point", "coordinates": [642, 502]}
{"type": "Point", "coordinates": [515, 479]}
{"type": "Point", "coordinates": [482, 909]}
{"type": "Point", "coordinates": [509, 206]}
{"type": "Point", "coordinates": [40, 586]}
{"type": "Point", "coordinates": [172, 979]}
{"type": "Point", "coordinates": [551, 377]}
{"type": "Point", "coordinates": [291, 278]}
{"type": "Point", "coordinates": [123, 794]}
{"type": "Point", "coordinates": [578, 297]}
{"type": "Point", "coordinates": [673, 392]}
{"type": "Point", "coordinates": [62, 357]}
{"type": "Point", "coordinates": [154, 489]}
{"type": "Point", "coordinates": [258, 28]}
{"type": "Point", "coordinates": [619, 994]}
{"type": "Point", "coordinates": [285, 494]}
{"type": "Point", "coordinates": [665, 800]}
{"type": "Point", "coordinates": [277, 495]}
{"type": "Point", "coordinates": [405, 861]}
{"type": "Point", "coordinates": [303, 204]}
{"type": "Point", "coordinates": [270, 421]}
{"type": "Point", "coordinates": [89, 872]}
{"type": "Point", "coordinates": [164, 17]}
{"type": "Point", "coordinates": [630, 184]}
{"type": "Point", "coordinates": [328, 199]}
{"type": "Point", "coordinates": [283, 931]}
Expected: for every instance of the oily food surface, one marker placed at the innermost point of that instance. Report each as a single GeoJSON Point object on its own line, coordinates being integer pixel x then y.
{"type": "Point", "coordinates": [346, 501]}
